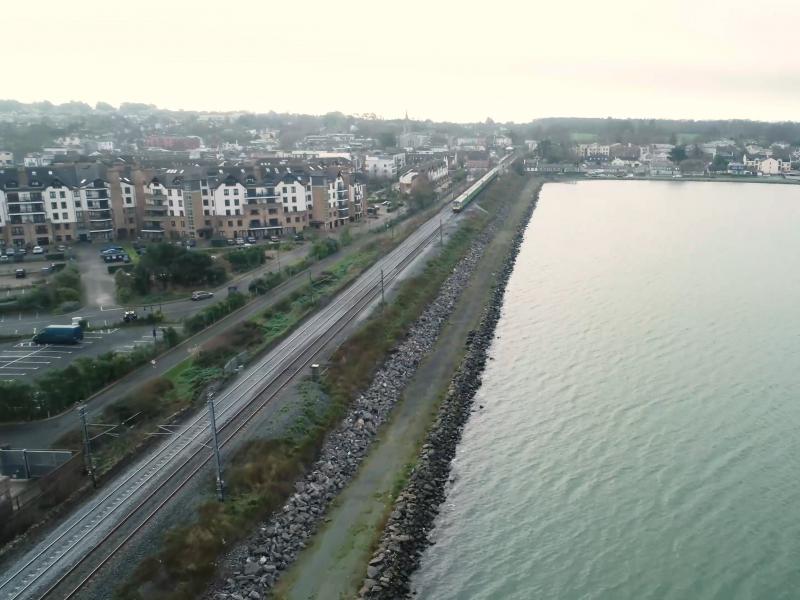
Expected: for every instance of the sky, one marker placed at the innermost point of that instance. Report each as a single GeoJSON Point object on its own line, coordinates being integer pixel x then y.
{"type": "Point", "coordinates": [436, 59]}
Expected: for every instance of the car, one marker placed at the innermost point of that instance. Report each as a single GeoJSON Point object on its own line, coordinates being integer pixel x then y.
{"type": "Point", "coordinates": [21, 252]}
{"type": "Point", "coordinates": [274, 239]}
{"type": "Point", "coordinates": [61, 248]}
{"type": "Point", "coordinates": [20, 273]}
{"type": "Point", "coordinates": [299, 237]}
{"type": "Point", "coordinates": [201, 295]}
{"type": "Point", "coordinates": [130, 316]}
{"type": "Point", "coordinates": [251, 239]}
{"type": "Point", "coordinates": [38, 250]}
{"type": "Point", "coordinates": [191, 243]}
{"type": "Point", "coordinates": [4, 258]}
{"type": "Point", "coordinates": [112, 250]}
{"type": "Point", "coordinates": [247, 245]}
{"type": "Point", "coordinates": [240, 241]}
{"type": "Point", "coordinates": [230, 242]}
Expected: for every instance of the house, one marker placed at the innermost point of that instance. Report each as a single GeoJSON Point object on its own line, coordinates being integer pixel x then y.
{"type": "Point", "coordinates": [476, 160]}
{"type": "Point", "coordinates": [6, 158]}
{"type": "Point", "coordinates": [537, 166]}
{"type": "Point", "coordinates": [773, 166]}
{"type": "Point", "coordinates": [736, 168]}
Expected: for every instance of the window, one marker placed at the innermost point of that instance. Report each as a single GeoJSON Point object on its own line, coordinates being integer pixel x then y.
{"type": "Point", "coordinates": [77, 203]}
{"type": "Point", "coordinates": [239, 222]}
{"type": "Point", "coordinates": [63, 205]}
{"type": "Point", "coordinates": [285, 190]}
{"type": "Point", "coordinates": [127, 189]}
{"type": "Point", "coordinates": [52, 194]}
{"type": "Point", "coordinates": [68, 237]}
{"type": "Point", "coordinates": [227, 202]}
{"type": "Point", "coordinates": [297, 219]}
{"type": "Point", "coordinates": [57, 226]}
{"type": "Point", "coordinates": [62, 194]}
{"type": "Point", "coordinates": [205, 193]}
{"type": "Point", "coordinates": [173, 223]}
{"type": "Point", "coordinates": [294, 198]}
{"type": "Point", "coordinates": [227, 192]}
{"type": "Point", "coordinates": [235, 191]}
{"type": "Point", "coordinates": [294, 209]}
{"type": "Point", "coordinates": [207, 212]}
{"type": "Point", "coordinates": [54, 205]}
{"type": "Point", "coordinates": [208, 223]}
{"type": "Point", "coordinates": [64, 216]}
{"type": "Point", "coordinates": [228, 213]}
{"type": "Point", "coordinates": [66, 226]}
{"type": "Point", "coordinates": [285, 199]}
{"type": "Point", "coordinates": [130, 220]}
{"type": "Point", "coordinates": [205, 201]}
{"type": "Point", "coordinates": [230, 223]}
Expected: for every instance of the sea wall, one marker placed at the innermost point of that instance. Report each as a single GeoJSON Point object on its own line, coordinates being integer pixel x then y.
{"type": "Point", "coordinates": [255, 568]}
{"type": "Point", "coordinates": [406, 533]}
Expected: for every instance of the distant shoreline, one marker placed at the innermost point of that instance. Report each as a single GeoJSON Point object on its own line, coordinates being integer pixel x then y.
{"type": "Point", "coordinates": [766, 180]}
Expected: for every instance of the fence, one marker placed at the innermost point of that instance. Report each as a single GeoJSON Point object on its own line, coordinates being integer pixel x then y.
{"type": "Point", "coordinates": [31, 464]}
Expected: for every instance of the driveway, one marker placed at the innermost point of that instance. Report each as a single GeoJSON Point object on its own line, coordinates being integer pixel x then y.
{"type": "Point", "coordinates": [98, 283]}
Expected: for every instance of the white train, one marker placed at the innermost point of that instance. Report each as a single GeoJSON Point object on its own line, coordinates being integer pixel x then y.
{"type": "Point", "coordinates": [473, 190]}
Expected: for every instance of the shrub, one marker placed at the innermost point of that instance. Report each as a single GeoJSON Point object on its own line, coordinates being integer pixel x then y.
{"type": "Point", "coordinates": [324, 247]}
{"type": "Point", "coordinates": [146, 402]}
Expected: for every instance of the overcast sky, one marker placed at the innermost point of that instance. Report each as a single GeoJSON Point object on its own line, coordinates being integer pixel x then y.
{"type": "Point", "coordinates": [437, 59]}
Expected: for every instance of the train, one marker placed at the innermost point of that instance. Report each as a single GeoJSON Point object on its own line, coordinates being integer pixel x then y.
{"type": "Point", "coordinates": [469, 194]}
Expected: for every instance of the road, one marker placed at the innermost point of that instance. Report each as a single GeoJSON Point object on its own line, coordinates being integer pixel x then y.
{"type": "Point", "coordinates": [181, 455]}
{"type": "Point", "coordinates": [46, 433]}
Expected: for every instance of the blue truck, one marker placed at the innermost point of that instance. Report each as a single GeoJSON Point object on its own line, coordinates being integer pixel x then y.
{"type": "Point", "coordinates": [59, 334]}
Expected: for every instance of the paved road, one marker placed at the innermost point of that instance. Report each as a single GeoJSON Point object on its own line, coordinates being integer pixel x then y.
{"type": "Point", "coordinates": [85, 528]}
{"type": "Point", "coordinates": [45, 433]}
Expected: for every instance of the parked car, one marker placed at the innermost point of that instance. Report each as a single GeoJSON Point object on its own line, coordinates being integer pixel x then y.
{"type": "Point", "coordinates": [61, 248]}
{"type": "Point", "coordinates": [230, 242]}
{"type": "Point", "coordinates": [38, 250]}
{"type": "Point", "coordinates": [4, 258]}
{"type": "Point", "coordinates": [275, 239]}
{"type": "Point", "coordinates": [201, 295]}
{"type": "Point", "coordinates": [240, 241]}
{"type": "Point", "coordinates": [21, 252]}
{"type": "Point", "coordinates": [130, 316]}
{"type": "Point", "coordinates": [251, 239]}
{"type": "Point", "coordinates": [112, 250]}
{"type": "Point", "coordinates": [20, 273]}
{"type": "Point", "coordinates": [299, 237]}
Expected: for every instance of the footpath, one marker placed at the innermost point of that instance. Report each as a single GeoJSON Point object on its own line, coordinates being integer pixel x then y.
{"type": "Point", "coordinates": [335, 564]}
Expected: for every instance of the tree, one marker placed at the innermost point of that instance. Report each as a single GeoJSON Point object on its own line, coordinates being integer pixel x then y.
{"type": "Point", "coordinates": [719, 164]}
{"type": "Point", "coordinates": [678, 154]}
{"type": "Point", "coordinates": [387, 139]}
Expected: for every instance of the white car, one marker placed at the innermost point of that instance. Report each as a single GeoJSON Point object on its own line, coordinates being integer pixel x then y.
{"type": "Point", "coordinates": [3, 258]}
{"type": "Point", "coordinates": [38, 250]}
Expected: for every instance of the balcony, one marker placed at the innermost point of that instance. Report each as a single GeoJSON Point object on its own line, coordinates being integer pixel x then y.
{"type": "Point", "coordinates": [100, 215]}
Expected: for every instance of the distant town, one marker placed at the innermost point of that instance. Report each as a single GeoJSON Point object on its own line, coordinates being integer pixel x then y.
{"type": "Point", "coordinates": [73, 172]}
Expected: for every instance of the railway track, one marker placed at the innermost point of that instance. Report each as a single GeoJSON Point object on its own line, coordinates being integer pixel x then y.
{"type": "Point", "coordinates": [62, 564]}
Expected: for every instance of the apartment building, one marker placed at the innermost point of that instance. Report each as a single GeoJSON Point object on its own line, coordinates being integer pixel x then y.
{"type": "Point", "coordinates": [96, 202]}
{"type": "Point", "coordinates": [385, 166]}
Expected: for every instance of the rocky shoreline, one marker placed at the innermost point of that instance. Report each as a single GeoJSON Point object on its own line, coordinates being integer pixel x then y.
{"type": "Point", "coordinates": [256, 566]}
{"type": "Point", "coordinates": [406, 533]}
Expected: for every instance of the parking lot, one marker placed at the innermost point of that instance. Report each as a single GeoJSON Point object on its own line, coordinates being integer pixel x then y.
{"type": "Point", "coordinates": [24, 359]}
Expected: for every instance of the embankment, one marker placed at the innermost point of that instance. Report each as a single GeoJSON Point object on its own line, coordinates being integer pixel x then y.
{"type": "Point", "coordinates": [406, 533]}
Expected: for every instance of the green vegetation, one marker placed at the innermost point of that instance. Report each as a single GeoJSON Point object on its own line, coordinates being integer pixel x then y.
{"type": "Point", "coordinates": [58, 389]}
{"type": "Point", "coordinates": [214, 312]}
{"type": "Point", "coordinates": [246, 259]}
{"type": "Point", "coordinates": [165, 268]}
{"type": "Point", "coordinates": [265, 470]}
{"type": "Point", "coordinates": [61, 292]}
{"type": "Point", "coordinates": [324, 247]}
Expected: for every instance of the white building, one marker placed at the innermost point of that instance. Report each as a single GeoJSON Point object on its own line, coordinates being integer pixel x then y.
{"type": "Point", "coordinates": [773, 166]}
{"type": "Point", "coordinates": [6, 158]}
{"type": "Point", "coordinates": [594, 150]}
{"type": "Point", "coordinates": [386, 166]}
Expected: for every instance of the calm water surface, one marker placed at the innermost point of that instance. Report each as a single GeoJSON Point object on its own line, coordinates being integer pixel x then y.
{"type": "Point", "coordinates": [642, 409]}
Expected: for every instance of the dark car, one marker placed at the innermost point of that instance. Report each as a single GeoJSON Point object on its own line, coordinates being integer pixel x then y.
{"type": "Point", "coordinates": [251, 239]}
{"type": "Point", "coordinates": [130, 316]}
{"type": "Point", "coordinates": [19, 273]}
